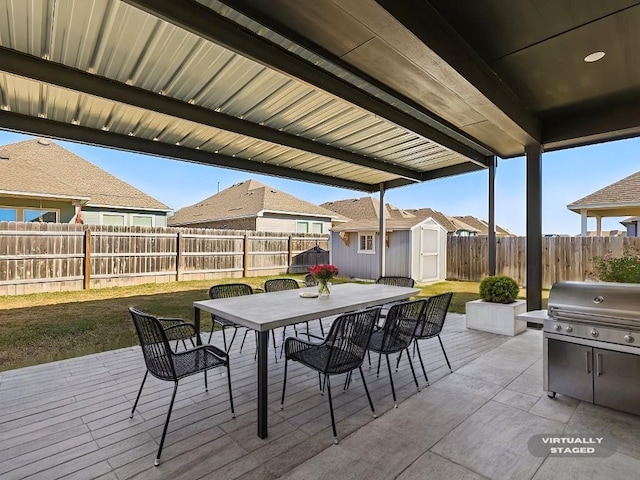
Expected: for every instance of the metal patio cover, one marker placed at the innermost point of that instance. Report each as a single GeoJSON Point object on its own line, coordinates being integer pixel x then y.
{"type": "Point", "coordinates": [359, 94]}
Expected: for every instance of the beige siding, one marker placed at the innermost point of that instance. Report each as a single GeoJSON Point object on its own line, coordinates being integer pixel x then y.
{"type": "Point", "coordinates": [289, 223]}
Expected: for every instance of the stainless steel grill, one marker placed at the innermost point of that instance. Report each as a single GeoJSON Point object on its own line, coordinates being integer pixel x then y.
{"type": "Point", "coordinates": [592, 343]}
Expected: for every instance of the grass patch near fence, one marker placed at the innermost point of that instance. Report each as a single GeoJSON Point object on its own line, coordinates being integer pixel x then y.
{"type": "Point", "coordinates": [45, 327]}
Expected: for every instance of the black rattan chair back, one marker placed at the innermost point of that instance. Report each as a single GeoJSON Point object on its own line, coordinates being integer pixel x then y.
{"type": "Point", "coordinates": [434, 314]}
{"type": "Point", "coordinates": [400, 325]}
{"type": "Point", "coordinates": [155, 345]}
{"type": "Point", "coordinates": [349, 339]}
{"type": "Point", "coordinates": [227, 290]}
{"type": "Point", "coordinates": [397, 281]}
{"type": "Point", "coordinates": [310, 281]}
{"type": "Point", "coordinates": [280, 284]}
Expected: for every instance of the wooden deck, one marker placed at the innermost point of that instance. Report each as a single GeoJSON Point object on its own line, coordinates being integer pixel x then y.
{"type": "Point", "coordinates": [70, 420]}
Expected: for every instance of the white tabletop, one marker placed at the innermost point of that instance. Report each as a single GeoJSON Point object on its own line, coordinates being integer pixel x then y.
{"type": "Point", "coordinates": [267, 311]}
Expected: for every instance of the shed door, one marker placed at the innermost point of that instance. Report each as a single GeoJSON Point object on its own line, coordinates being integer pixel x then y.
{"type": "Point", "coordinates": [429, 253]}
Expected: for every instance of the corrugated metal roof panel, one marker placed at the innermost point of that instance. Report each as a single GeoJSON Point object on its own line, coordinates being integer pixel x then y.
{"type": "Point", "coordinates": [115, 40]}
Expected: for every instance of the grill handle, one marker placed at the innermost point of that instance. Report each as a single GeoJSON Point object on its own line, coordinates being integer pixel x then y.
{"type": "Point", "coordinates": [588, 362]}
{"type": "Point", "coordinates": [598, 364]}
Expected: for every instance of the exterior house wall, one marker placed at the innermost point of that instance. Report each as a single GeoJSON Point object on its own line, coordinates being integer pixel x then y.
{"type": "Point", "coordinates": [289, 223]}
{"type": "Point", "coordinates": [398, 254]}
{"type": "Point", "coordinates": [95, 216]}
{"type": "Point", "coordinates": [247, 223]}
{"type": "Point", "coordinates": [65, 208]}
{"type": "Point", "coordinates": [632, 229]}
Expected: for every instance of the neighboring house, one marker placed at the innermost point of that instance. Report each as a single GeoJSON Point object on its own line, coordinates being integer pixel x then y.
{"type": "Point", "coordinates": [42, 182]}
{"type": "Point", "coordinates": [620, 199]}
{"type": "Point", "coordinates": [364, 208]}
{"type": "Point", "coordinates": [483, 227]}
{"type": "Point", "coordinates": [632, 224]}
{"type": "Point", "coordinates": [453, 226]}
{"type": "Point", "coordinates": [251, 205]}
{"type": "Point", "coordinates": [605, 233]}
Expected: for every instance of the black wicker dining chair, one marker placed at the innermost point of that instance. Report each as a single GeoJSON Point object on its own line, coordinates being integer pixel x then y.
{"type": "Point", "coordinates": [342, 351]}
{"type": "Point", "coordinates": [397, 281]}
{"type": "Point", "coordinates": [165, 364]}
{"type": "Point", "coordinates": [396, 335]}
{"type": "Point", "coordinates": [227, 290]}
{"type": "Point", "coordinates": [435, 313]}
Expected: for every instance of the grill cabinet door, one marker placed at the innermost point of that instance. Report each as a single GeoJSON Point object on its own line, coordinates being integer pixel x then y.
{"type": "Point", "coordinates": [616, 380]}
{"type": "Point", "coordinates": [570, 370]}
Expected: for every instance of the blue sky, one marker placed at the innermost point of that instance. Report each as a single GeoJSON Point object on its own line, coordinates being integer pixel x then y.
{"type": "Point", "coordinates": [567, 176]}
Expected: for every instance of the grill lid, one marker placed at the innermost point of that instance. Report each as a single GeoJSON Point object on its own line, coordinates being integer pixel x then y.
{"type": "Point", "coordinates": [602, 302]}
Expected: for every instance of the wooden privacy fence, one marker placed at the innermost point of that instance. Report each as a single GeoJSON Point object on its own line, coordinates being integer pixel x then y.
{"type": "Point", "coordinates": [42, 257]}
{"type": "Point", "coordinates": [563, 258]}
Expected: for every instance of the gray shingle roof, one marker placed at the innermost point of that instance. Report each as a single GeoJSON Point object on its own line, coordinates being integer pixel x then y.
{"type": "Point", "coordinates": [43, 168]}
{"type": "Point", "coordinates": [451, 224]}
{"type": "Point", "coordinates": [246, 199]}
{"type": "Point", "coordinates": [373, 225]}
{"type": "Point", "coordinates": [482, 226]}
{"type": "Point", "coordinates": [364, 208]}
{"type": "Point", "coordinates": [624, 191]}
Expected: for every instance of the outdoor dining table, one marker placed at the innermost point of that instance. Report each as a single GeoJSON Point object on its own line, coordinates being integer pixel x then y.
{"type": "Point", "coordinates": [266, 312]}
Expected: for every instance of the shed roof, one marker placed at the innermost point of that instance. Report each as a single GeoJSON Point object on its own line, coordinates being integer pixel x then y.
{"type": "Point", "coordinates": [618, 199]}
{"type": "Point", "coordinates": [246, 199]}
{"type": "Point", "coordinates": [482, 226]}
{"type": "Point", "coordinates": [451, 224]}
{"type": "Point", "coordinates": [42, 168]}
{"type": "Point", "coordinates": [364, 208]}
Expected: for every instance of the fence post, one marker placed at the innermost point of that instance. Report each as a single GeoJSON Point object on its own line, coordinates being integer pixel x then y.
{"type": "Point", "coordinates": [245, 256]}
{"type": "Point", "coordinates": [290, 256]}
{"type": "Point", "coordinates": [178, 255]}
{"type": "Point", "coordinates": [87, 259]}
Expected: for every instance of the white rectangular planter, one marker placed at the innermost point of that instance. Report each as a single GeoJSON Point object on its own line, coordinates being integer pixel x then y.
{"type": "Point", "coordinates": [496, 317]}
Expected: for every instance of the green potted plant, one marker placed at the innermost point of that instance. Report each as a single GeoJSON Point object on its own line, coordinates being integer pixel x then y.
{"type": "Point", "coordinates": [498, 307]}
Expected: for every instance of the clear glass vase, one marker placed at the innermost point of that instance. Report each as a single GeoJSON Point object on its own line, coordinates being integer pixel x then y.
{"type": "Point", "coordinates": [324, 288]}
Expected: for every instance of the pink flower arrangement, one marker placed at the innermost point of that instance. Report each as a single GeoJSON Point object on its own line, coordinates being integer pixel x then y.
{"type": "Point", "coordinates": [323, 272]}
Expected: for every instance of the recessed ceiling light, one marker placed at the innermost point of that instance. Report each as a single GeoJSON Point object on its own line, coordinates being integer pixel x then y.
{"type": "Point", "coordinates": [593, 57]}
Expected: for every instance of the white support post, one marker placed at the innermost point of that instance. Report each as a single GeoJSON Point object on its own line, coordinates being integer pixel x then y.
{"type": "Point", "coordinates": [583, 223]}
{"type": "Point", "coordinates": [599, 226]}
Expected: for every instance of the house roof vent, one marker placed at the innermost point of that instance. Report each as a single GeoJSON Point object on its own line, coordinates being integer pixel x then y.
{"type": "Point", "coordinates": [44, 141]}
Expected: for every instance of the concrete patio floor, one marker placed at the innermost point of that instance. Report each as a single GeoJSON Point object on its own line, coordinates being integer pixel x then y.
{"type": "Point", "coordinates": [70, 420]}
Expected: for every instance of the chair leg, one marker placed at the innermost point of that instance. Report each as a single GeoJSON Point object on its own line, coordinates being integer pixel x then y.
{"type": "Point", "coordinates": [367, 392]}
{"type": "Point", "coordinates": [284, 331]}
{"type": "Point", "coordinates": [320, 383]}
{"type": "Point", "coordinates": [347, 381]}
{"type": "Point", "coordinates": [422, 363]}
{"type": "Point", "coordinates": [206, 386]}
{"type": "Point", "coordinates": [321, 327]}
{"type": "Point", "coordinates": [333, 420]}
{"type": "Point", "coordinates": [166, 424]}
{"type": "Point", "coordinates": [233, 337]}
{"type": "Point", "coordinates": [399, 357]}
{"type": "Point", "coordinates": [379, 358]}
{"type": "Point", "coordinates": [393, 390]}
{"type": "Point", "coordinates": [445, 354]}
{"type": "Point", "coordinates": [139, 392]}
{"type": "Point", "coordinates": [284, 383]}
{"type": "Point", "coordinates": [233, 412]}
{"type": "Point", "coordinates": [244, 337]}
{"type": "Point", "coordinates": [413, 372]}
{"type": "Point", "coordinates": [275, 347]}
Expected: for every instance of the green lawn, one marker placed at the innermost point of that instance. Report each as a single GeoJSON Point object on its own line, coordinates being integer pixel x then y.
{"type": "Point", "coordinates": [41, 328]}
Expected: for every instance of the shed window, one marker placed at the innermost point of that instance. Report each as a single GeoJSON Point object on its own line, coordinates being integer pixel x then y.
{"type": "Point", "coordinates": [316, 228]}
{"type": "Point", "coordinates": [365, 243]}
{"type": "Point", "coordinates": [111, 219]}
{"type": "Point", "coordinates": [302, 227]}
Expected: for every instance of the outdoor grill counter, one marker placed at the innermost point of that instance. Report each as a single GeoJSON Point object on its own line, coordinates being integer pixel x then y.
{"type": "Point", "coordinates": [592, 343]}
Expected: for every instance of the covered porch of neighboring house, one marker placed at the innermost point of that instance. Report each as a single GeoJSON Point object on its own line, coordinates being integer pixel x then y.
{"type": "Point", "coordinates": [620, 199]}
{"type": "Point", "coordinates": [70, 420]}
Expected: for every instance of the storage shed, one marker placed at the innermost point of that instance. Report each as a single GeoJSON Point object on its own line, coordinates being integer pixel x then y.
{"type": "Point", "coordinates": [416, 248]}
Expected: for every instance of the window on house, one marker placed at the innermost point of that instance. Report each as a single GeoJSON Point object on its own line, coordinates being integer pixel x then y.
{"type": "Point", "coordinates": [40, 215]}
{"type": "Point", "coordinates": [140, 221]}
{"type": "Point", "coordinates": [365, 243]}
{"type": "Point", "coordinates": [8, 214]}
{"type": "Point", "coordinates": [302, 227]}
{"type": "Point", "coordinates": [316, 227]}
{"type": "Point", "coordinates": [111, 219]}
